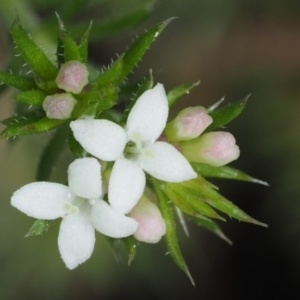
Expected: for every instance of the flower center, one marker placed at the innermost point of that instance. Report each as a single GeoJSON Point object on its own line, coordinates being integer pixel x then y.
{"type": "Point", "coordinates": [73, 206]}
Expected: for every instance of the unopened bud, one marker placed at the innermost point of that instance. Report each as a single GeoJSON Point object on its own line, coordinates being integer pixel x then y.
{"type": "Point", "coordinates": [59, 106]}
{"type": "Point", "coordinates": [72, 77]}
{"type": "Point", "coordinates": [188, 124]}
{"type": "Point", "coordinates": [213, 148]}
{"type": "Point", "coordinates": [151, 224]}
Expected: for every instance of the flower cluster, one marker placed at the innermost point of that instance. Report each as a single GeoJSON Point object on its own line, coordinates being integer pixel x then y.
{"type": "Point", "coordinates": [131, 172]}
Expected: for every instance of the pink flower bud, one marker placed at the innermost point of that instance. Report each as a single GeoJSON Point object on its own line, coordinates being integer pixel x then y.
{"type": "Point", "coordinates": [59, 106]}
{"type": "Point", "coordinates": [188, 124]}
{"type": "Point", "coordinates": [72, 77]}
{"type": "Point", "coordinates": [214, 148]}
{"type": "Point", "coordinates": [151, 224]}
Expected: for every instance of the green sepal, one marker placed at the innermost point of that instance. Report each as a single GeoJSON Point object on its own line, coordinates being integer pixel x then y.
{"type": "Point", "coordinates": [226, 114]}
{"type": "Point", "coordinates": [166, 209]}
{"type": "Point", "coordinates": [32, 54]}
{"type": "Point", "coordinates": [115, 25]}
{"type": "Point", "coordinates": [211, 226]}
{"type": "Point", "coordinates": [51, 153]}
{"type": "Point", "coordinates": [83, 45]}
{"type": "Point", "coordinates": [131, 246]}
{"type": "Point", "coordinates": [111, 75]}
{"type": "Point", "coordinates": [31, 97]}
{"type": "Point", "coordinates": [137, 50]}
{"type": "Point", "coordinates": [39, 227]}
{"type": "Point", "coordinates": [71, 49]}
{"type": "Point", "coordinates": [224, 172]}
{"type": "Point", "coordinates": [31, 126]}
{"type": "Point", "coordinates": [179, 91]}
{"type": "Point", "coordinates": [20, 82]}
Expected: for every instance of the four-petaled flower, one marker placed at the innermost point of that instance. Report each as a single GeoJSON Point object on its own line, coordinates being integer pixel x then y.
{"type": "Point", "coordinates": [81, 207]}
{"type": "Point", "coordinates": [134, 149]}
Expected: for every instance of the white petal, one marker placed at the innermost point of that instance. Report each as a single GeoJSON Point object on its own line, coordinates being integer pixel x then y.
{"type": "Point", "coordinates": [76, 240]}
{"type": "Point", "coordinates": [126, 185]}
{"type": "Point", "coordinates": [101, 138]}
{"type": "Point", "coordinates": [148, 117]}
{"type": "Point", "coordinates": [110, 222]}
{"type": "Point", "coordinates": [85, 178]}
{"type": "Point", "coordinates": [41, 200]}
{"type": "Point", "coordinates": [164, 162]}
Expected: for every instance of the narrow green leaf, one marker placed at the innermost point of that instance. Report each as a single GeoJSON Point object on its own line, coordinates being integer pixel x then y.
{"type": "Point", "coordinates": [71, 49]}
{"type": "Point", "coordinates": [131, 245]}
{"type": "Point", "coordinates": [83, 45]}
{"type": "Point", "coordinates": [137, 50]}
{"type": "Point", "coordinates": [39, 227]}
{"type": "Point", "coordinates": [25, 118]}
{"type": "Point", "coordinates": [31, 97]}
{"type": "Point", "coordinates": [189, 204]}
{"type": "Point", "coordinates": [180, 202]}
{"type": "Point", "coordinates": [33, 126]}
{"type": "Point", "coordinates": [111, 75]}
{"type": "Point", "coordinates": [116, 25]}
{"type": "Point", "coordinates": [200, 189]}
{"type": "Point", "coordinates": [20, 82]}
{"type": "Point", "coordinates": [211, 226]}
{"type": "Point", "coordinates": [171, 236]}
{"type": "Point", "coordinates": [216, 200]}
{"type": "Point", "coordinates": [51, 153]}
{"type": "Point", "coordinates": [179, 91]}
{"type": "Point", "coordinates": [32, 54]}
{"type": "Point", "coordinates": [224, 172]}
{"type": "Point", "coordinates": [225, 115]}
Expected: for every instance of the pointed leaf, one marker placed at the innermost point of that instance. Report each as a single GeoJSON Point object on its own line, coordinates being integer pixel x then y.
{"type": "Point", "coordinates": [211, 226]}
{"type": "Point", "coordinates": [211, 197]}
{"type": "Point", "coordinates": [32, 54]}
{"type": "Point", "coordinates": [137, 50]}
{"type": "Point", "coordinates": [224, 172]}
{"type": "Point", "coordinates": [184, 197]}
{"type": "Point", "coordinates": [31, 97]}
{"type": "Point", "coordinates": [171, 236]}
{"type": "Point", "coordinates": [179, 91]}
{"type": "Point", "coordinates": [38, 227]}
{"type": "Point", "coordinates": [41, 125]}
{"type": "Point", "coordinates": [112, 74]}
{"type": "Point", "coordinates": [83, 44]}
{"type": "Point", "coordinates": [20, 82]}
{"type": "Point", "coordinates": [71, 50]}
{"type": "Point", "coordinates": [27, 117]}
{"type": "Point", "coordinates": [226, 114]}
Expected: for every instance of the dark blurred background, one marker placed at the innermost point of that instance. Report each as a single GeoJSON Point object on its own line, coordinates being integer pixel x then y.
{"type": "Point", "coordinates": [234, 47]}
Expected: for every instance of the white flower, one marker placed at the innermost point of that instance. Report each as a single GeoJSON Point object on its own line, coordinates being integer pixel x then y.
{"type": "Point", "coordinates": [81, 207]}
{"type": "Point", "coordinates": [135, 149]}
